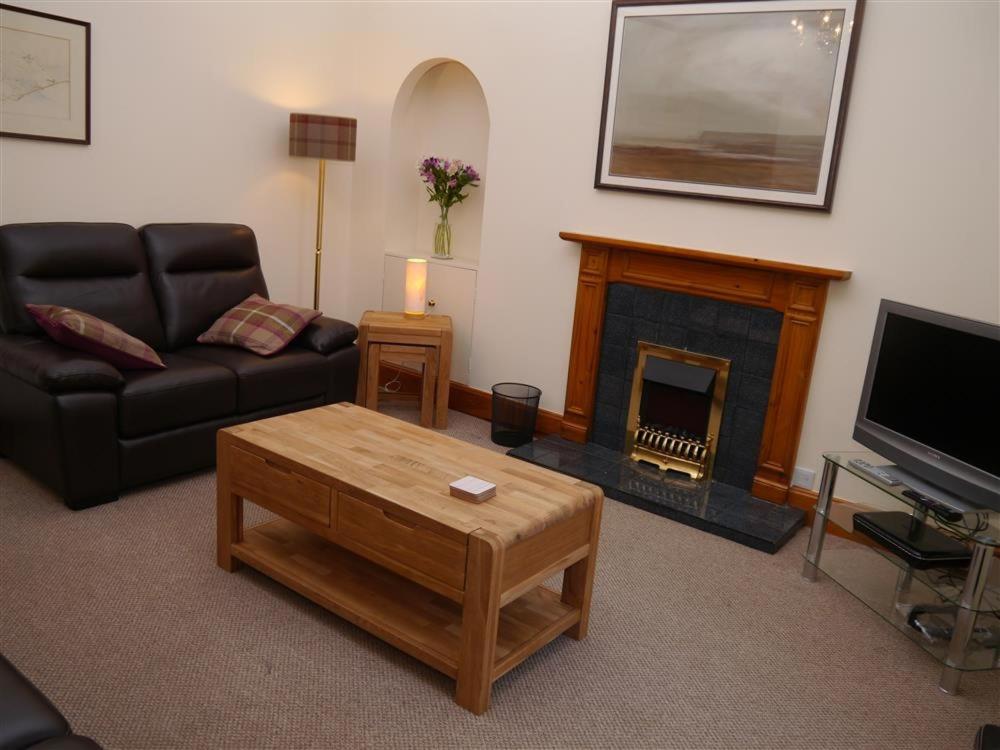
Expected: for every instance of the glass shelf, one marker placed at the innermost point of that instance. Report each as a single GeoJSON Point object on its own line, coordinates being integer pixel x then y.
{"type": "Point", "coordinates": [959, 607]}
{"type": "Point", "coordinates": [873, 578]}
{"type": "Point", "coordinates": [946, 583]}
{"type": "Point", "coordinates": [981, 528]}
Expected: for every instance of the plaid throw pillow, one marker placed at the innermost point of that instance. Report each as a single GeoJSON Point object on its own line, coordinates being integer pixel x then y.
{"type": "Point", "coordinates": [79, 330]}
{"type": "Point", "coordinates": [259, 325]}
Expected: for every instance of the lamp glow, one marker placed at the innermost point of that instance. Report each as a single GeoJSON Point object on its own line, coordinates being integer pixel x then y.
{"type": "Point", "coordinates": [415, 300]}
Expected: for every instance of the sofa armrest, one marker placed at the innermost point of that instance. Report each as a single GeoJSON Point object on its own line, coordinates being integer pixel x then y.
{"type": "Point", "coordinates": [54, 368]}
{"type": "Point", "coordinates": [326, 335]}
{"type": "Point", "coordinates": [26, 715]}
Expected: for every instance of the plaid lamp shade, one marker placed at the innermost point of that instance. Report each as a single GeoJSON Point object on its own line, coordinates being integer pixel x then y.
{"type": "Point", "coordinates": [322, 137]}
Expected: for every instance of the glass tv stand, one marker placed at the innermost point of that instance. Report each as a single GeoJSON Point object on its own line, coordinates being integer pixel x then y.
{"type": "Point", "coordinates": [969, 599]}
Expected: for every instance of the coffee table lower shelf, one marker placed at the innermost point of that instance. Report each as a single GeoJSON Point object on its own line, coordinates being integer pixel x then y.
{"type": "Point", "coordinates": [414, 619]}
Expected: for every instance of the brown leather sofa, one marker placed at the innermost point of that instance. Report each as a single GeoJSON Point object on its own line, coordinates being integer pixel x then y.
{"type": "Point", "coordinates": [88, 430]}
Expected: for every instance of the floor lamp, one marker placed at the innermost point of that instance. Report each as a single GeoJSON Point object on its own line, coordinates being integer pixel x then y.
{"type": "Point", "coordinates": [321, 137]}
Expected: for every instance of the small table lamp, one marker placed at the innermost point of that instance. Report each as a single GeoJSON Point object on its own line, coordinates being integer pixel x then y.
{"type": "Point", "coordinates": [321, 137]}
{"type": "Point", "coordinates": [415, 299]}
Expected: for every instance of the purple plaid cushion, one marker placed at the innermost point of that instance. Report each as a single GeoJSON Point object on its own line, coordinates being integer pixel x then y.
{"type": "Point", "coordinates": [259, 325]}
{"type": "Point", "coordinates": [79, 330]}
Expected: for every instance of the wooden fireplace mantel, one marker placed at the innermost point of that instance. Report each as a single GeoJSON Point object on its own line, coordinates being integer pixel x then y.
{"type": "Point", "coordinates": [797, 291]}
{"type": "Point", "coordinates": [708, 256]}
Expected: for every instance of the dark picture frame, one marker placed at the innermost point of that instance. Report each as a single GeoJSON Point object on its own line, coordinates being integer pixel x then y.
{"type": "Point", "coordinates": [14, 124]}
{"type": "Point", "coordinates": [778, 142]}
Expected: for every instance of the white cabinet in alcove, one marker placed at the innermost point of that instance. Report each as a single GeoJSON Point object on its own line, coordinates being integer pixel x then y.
{"type": "Point", "coordinates": [451, 286]}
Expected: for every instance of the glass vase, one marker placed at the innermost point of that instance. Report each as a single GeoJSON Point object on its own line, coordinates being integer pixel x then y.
{"type": "Point", "coordinates": [442, 238]}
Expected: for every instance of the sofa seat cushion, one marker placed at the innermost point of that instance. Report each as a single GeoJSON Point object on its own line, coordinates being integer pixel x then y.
{"type": "Point", "coordinates": [291, 375]}
{"type": "Point", "coordinates": [190, 390]}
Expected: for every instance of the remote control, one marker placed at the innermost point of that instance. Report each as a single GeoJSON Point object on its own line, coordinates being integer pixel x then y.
{"type": "Point", "coordinates": [936, 507]}
{"type": "Point", "coordinates": [880, 474]}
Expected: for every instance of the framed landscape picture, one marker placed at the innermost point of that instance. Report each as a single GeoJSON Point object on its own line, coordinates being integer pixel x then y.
{"type": "Point", "coordinates": [44, 76]}
{"type": "Point", "coordinates": [734, 100]}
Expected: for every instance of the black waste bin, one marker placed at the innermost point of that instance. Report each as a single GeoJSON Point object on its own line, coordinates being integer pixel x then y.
{"type": "Point", "coordinates": [515, 409]}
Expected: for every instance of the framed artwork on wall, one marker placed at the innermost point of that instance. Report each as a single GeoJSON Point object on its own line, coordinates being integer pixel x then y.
{"type": "Point", "coordinates": [44, 76]}
{"type": "Point", "coordinates": [737, 100]}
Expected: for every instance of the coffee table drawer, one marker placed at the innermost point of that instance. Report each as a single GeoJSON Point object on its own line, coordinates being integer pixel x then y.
{"type": "Point", "coordinates": [402, 541]}
{"type": "Point", "coordinates": [278, 488]}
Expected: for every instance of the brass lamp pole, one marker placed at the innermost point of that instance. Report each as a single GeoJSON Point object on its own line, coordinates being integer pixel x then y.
{"type": "Point", "coordinates": [319, 231]}
{"type": "Point", "coordinates": [321, 137]}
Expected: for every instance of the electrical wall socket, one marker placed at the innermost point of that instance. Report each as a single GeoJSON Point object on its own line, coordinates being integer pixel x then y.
{"type": "Point", "coordinates": [803, 477]}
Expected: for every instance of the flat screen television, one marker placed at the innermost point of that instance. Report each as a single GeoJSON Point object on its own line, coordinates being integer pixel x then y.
{"type": "Point", "coordinates": [931, 400]}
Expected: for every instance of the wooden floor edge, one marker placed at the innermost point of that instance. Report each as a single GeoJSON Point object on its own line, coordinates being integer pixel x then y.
{"type": "Point", "coordinates": [466, 399]}
{"type": "Point", "coordinates": [800, 497]}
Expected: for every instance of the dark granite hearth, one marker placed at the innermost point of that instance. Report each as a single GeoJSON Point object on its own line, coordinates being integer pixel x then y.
{"type": "Point", "coordinates": [720, 509]}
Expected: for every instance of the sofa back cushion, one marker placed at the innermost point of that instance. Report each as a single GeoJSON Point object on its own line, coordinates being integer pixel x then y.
{"type": "Point", "coordinates": [198, 272]}
{"type": "Point", "coordinates": [100, 269]}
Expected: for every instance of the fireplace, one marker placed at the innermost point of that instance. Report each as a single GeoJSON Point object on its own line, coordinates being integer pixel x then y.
{"type": "Point", "coordinates": [707, 434]}
{"type": "Point", "coordinates": [701, 332]}
{"type": "Point", "coordinates": [675, 409]}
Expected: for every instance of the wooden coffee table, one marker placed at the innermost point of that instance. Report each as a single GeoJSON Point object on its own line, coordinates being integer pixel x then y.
{"type": "Point", "coordinates": [369, 531]}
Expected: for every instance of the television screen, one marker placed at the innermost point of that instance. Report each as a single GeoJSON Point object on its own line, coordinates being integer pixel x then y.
{"type": "Point", "coordinates": [940, 387]}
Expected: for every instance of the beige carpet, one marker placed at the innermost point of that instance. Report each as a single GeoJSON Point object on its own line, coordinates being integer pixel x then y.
{"type": "Point", "coordinates": [120, 615]}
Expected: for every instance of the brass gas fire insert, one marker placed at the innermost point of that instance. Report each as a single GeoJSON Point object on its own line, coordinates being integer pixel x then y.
{"type": "Point", "coordinates": [675, 412]}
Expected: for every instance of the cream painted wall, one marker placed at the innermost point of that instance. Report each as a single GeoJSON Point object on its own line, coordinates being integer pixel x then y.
{"type": "Point", "coordinates": [191, 105]}
{"type": "Point", "coordinates": [190, 123]}
{"type": "Point", "coordinates": [915, 215]}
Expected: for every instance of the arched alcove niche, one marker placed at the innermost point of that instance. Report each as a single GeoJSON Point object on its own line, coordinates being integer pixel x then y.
{"type": "Point", "coordinates": [440, 110]}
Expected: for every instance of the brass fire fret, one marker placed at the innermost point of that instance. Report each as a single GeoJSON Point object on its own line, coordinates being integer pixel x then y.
{"type": "Point", "coordinates": [644, 442]}
{"type": "Point", "coordinates": [677, 452]}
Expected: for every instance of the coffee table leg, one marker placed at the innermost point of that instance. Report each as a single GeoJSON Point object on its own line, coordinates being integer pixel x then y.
{"type": "Point", "coordinates": [578, 580]}
{"type": "Point", "coordinates": [229, 511]}
{"type": "Point", "coordinates": [480, 622]}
